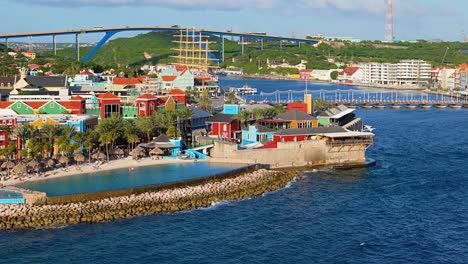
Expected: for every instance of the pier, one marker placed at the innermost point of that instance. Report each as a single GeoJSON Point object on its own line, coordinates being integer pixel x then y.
{"type": "Point", "coordinates": [368, 99]}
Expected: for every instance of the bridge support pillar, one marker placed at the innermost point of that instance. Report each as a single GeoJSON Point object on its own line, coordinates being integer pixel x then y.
{"type": "Point", "coordinates": [241, 46]}
{"type": "Point", "coordinates": [77, 46]}
{"type": "Point", "coordinates": [221, 49]}
{"type": "Point", "coordinates": [54, 45]}
{"type": "Point", "coordinates": [99, 45]}
{"type": "Point", "coordinates": [6, 43]}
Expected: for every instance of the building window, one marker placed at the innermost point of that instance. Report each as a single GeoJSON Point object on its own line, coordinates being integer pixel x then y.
{"type": "Point", "coordinates": [142, 105]}
{"type": "Point", "coordinates": [110, 109]}
{"type": "Point", "coordinates": [2, 137]}
{"type": "Point", "coordinates": [224, 127]}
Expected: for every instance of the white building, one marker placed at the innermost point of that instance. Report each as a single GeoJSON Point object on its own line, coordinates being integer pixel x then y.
{"type": "Point", "coordinates": [406, 72]}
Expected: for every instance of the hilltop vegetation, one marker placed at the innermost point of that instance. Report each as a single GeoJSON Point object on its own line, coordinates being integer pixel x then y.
{"type": "Point", "coordinates": [154, 47]}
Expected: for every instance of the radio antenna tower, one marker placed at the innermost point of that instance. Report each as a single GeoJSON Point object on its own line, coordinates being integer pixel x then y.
{"type": "Point", "coordinates": [389, 37]}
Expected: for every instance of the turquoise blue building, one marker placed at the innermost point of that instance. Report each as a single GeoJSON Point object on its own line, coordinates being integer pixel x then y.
{"type": "Point", "coordinates": [256, 133]}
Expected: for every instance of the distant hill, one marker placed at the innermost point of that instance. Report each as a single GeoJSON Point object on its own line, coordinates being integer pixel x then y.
{"type": "Point", "coordinates": [156, 47]}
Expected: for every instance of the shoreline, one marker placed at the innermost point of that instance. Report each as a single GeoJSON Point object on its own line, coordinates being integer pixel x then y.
{"type": "Point", "coordinates": [73, 170]}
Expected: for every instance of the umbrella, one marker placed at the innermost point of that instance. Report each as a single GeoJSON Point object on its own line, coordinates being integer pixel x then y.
{"type": "Point", "coordinates": [20, 168]}
{"type": "Point", "coordinates": [34, 164]}
{"type": "Point", "coordinates": [98, 155]}
{"type": "Point", "coordinates": [8, 164]}
{"type": "Point", "coordinates": [50, 163]}
{"type": "Point", "coordinates": [63, 159]}
{"type": "Point", "coordinates": [118, 151]}
{"type": "Point", "coordinates": [79, 157]}
{"type": "Point", "coordinates": [76, 152]}
{"type": "Point", "coordinates": [138, 151]}
{"type": "Point", "coordinates": [156, 151]}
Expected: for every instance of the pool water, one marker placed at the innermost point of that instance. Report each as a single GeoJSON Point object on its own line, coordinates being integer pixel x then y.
{"type": "Point", "coordinates": [10, 197]}
{"type": "Point", "coordinates": [125, 178]}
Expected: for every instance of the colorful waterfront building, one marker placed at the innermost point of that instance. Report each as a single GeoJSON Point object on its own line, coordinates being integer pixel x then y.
{"type": "Point", "coordinates": [224, 126]}
{"type": "Point", "coordinates": [8, 118]}
{"type": "Point", "coordinates": [340, 116]}
{"type": "Point", "coordinates": [301, 134]}
{"type": "Point", "coordinates": [256, 134]}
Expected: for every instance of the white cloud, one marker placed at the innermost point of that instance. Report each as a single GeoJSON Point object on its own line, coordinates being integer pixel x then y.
{"type": "Point", "coordinates": [360, 6]}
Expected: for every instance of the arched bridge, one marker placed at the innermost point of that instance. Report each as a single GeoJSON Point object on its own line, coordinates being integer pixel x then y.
{"type": "Point", "coordinates": [111, 31]}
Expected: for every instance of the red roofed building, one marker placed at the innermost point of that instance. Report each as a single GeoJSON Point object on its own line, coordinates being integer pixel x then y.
{"type": "Point", "coordinates": [7, 117]}
{"type": "Point", "coordinates": [179, 96]}
{"type": "Point", "coordinates": [109, 104]}
{"type": "Point", "coordinates": [30, 54]}
{"type": "Point", "coordinates": [351, 75]}
{"type": "Point", "coordinates": [305, 74]}
{"type": "Point", "coordinates": [128, 81]}
{"type": "Point", "coordinates": [147, 104]}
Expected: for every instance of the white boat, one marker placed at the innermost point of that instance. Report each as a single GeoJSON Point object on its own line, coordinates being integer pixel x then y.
{"type": "Point", "coordinates": [243, 90]}
{"type": "Point", "coordinates": [368, 128]}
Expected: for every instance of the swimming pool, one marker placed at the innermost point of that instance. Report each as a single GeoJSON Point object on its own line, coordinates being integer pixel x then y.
{"type": "Point", "coordinates": [10, 197]}
{"type": "Point", "coordinates": [124, 178]}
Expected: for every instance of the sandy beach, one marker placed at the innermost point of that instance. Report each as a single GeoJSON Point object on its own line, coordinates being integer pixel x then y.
{"type": "Point", "coordinates": [84, 168]}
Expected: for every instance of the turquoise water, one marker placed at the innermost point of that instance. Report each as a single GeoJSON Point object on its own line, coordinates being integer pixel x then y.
{"type": "Point", "coordinates": [10, 197]}
{"type": "Point", "coordinates": [123, 178]}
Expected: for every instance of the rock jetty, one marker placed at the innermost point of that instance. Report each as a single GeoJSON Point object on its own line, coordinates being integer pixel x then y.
{"type": "Point", "coordinates": [170, 200]}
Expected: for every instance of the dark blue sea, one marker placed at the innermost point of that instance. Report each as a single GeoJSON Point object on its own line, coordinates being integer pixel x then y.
{"type": "Point", "coordinates": [412, 207]}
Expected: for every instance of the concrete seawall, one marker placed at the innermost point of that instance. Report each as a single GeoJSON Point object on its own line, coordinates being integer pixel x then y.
{"type": "Point", "coordinates": [185, 196]}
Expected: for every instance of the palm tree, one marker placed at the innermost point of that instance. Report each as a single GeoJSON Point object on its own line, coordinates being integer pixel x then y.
{"type": "Point", "coordinates": [50, 132]}
{"type": "Point", "coordinates": [231, 98]}
{"type": "Point", "coordinates": [243, 116]}
{"type": "Point", "coordinates": [145, 124]}
{"type": "Point", "coordinates": [131, 133]}
{"type": "Point", "coordinates": [109, 130]}
{"type": "Point", "coordinates": [184, 115]}
{"type": "Point", "coordinates": [24, 132]}
{"type": "Point", "coordinates": [204, 103]}
{"type": "Point", "coordinates": [89, 138]}
{"type": "Point", "coordinates": [258, 113]}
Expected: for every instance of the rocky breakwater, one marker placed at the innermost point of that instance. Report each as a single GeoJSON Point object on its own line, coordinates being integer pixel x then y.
{"type": "Point", "coordinates": [169, 200]}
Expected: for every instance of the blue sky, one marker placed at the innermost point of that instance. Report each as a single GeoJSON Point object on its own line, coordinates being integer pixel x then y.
{"type": "Point", "coordinates": [362, 19]}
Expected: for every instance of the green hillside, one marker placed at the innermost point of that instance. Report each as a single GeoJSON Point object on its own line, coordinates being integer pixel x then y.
{"type": "Point", "coordinates": [153, 48]}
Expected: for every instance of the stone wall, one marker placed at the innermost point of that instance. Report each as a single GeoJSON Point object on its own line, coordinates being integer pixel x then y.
{"type": "Point", "coordinates": [290, 154]}
{"type": "Point", "coordinates": [169, 200]}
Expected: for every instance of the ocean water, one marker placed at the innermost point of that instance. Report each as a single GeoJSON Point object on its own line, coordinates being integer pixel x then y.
{"type": "Point", "coordinates": [412, 207]}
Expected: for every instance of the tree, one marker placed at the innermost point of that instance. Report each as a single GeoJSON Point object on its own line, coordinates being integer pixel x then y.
{"type": "Point", "coordinates": [131, 133]}
{"type": "Point", "coordinates": [231, 98]}
{"type": "Point", "coordinates": [24, 132]}
{"type": "Point", "coordinates": [109, 130]}
{"type": "Point", "coordinates": [145, 124]}
{"type": "Point", "coordinates": [243, 116]}
{"type": "Point", "coordinates": [184, 114]}
{"type": "Point", "coordinates": [258, 113]}
{"type": "Point", "coordinates": [204, 102]}
{"type": "Point", "coordinates": [334, 75]}
{"type": "Point", "coordinates": [50, 132]}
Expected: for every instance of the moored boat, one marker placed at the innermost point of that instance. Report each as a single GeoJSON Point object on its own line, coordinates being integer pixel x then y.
{"type": "Point", "coordinates": [380, 106]}
{"type": "Point", "coordinates": [395, 106]}
{"type": "Point", "coordinates": [366, 106]}
{"type": "Point", "coordinates": [455, 106]}
{"type": "Point", "coordinates": [410, 106]}
{"type": "Point", "coordinates": [425, 106]}
{"type": "Point", "coordinates": [440, 106]}
{"type": "Point", "coordinates": [243, 90]}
